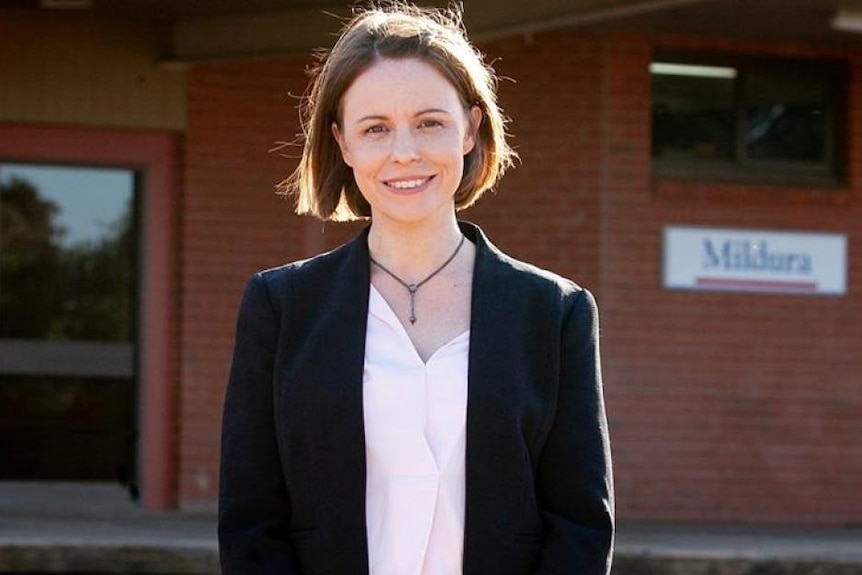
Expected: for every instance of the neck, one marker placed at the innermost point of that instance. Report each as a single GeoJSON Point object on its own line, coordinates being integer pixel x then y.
{"type": "Point", "coordinates": [413, 251]}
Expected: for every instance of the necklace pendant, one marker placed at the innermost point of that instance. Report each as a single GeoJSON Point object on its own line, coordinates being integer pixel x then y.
{"type": "Point", "coordinates": [412, 288]}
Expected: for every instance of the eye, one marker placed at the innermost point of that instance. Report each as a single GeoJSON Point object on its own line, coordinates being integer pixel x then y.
{"type": "Point", "coordinates": [375, 129]}
{"type": "Point", "coordinates": [430, 123]}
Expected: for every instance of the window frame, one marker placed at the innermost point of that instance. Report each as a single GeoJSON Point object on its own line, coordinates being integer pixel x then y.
{"type": "Point", "coordinates": [831, 172]}
{"type": "Point", "coordinates": [156, 156]}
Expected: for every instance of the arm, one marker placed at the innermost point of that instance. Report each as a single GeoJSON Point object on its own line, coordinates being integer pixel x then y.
{"type": "Point", "coordinates": [254, 508]}
{"type": "Point", "coordinates": [574, 473]}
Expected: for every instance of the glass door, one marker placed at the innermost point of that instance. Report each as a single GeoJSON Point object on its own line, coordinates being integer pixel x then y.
{"type": "Point", "coordinates": [68, 304]}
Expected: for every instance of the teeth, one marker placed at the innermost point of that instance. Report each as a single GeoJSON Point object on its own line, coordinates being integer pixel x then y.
{"type": "Point", "coordinates": [408, 184]}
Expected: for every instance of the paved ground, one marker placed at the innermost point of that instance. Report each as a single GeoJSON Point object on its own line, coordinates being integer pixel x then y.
{"type": "Point", "coordinates": [95, 529]}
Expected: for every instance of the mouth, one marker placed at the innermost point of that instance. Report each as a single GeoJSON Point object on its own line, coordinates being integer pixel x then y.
{"type": "Point", "coordinates": [408, 185]}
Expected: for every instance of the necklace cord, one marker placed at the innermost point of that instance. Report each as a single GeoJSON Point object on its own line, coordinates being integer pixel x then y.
{"type": "Point", "coordinates": [414, 287]}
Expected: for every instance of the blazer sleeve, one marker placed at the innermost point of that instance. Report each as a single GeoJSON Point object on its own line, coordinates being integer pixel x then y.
{"type": "Point", "coordinates": [254, 508]}
{"type": "Point", "coordinates": [575, 483]}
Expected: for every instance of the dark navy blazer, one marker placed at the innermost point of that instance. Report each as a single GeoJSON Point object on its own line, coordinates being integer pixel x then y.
{"type": "Point", "coordinates": [539, 495]}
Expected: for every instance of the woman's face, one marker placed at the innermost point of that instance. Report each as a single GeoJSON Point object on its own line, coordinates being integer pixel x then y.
{"type": "Point", "coordinates": [404, 132]}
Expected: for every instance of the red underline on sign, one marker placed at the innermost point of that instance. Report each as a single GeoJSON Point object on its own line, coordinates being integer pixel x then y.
{"type": "Point", "coordinates": [756, 285]}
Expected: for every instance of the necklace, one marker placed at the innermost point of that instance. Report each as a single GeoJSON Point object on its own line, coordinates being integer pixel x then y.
{"type": "Point", "coordinates": [414, 287]}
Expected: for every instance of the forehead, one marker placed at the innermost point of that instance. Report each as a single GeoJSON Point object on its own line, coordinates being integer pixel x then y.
{"type": "Point", "coordinates": [399, 84]}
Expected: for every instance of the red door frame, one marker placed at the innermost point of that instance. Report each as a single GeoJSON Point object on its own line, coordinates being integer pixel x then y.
{"type": "Point", "coordinates": [155, 155]}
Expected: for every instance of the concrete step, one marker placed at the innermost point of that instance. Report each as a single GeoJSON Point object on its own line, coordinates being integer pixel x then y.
{"type": "Point", "coordinates": [94, 529]}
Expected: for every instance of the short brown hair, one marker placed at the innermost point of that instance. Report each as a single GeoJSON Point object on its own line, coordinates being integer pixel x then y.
{"type": "Point", "coordinates": [323, 183]}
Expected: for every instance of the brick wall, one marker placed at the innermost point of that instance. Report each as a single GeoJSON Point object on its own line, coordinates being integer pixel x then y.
{"type": "Point", "coordinates": [722, 406]}
{"type": "Point", "coordinates": [233, 224]}
{"type": "Point", "coordinates": [547, 210]}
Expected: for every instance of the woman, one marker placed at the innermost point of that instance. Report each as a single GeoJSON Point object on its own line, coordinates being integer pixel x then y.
{"type": "Point", "coordinates": [415, 401]}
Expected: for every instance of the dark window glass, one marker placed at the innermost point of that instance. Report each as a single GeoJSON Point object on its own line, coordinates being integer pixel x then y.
{"type": "Point", "coordinates": [66, 428]}
{"type": "Point", "coordinates": [755, 118]}
{"type": "Point", "coordinates": [786, 118]}
{"type": "Point", "coordinates": [693, 115]}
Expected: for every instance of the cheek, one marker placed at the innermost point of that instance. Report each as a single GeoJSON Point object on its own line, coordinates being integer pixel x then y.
{"type": "Point", "coordinates": [452, 148]}
{"type": "Point", "coordinates": [366, 158]}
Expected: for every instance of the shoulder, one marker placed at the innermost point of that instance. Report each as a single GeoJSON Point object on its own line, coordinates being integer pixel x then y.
{"type": "Point", "coordinates": [520, 276]}
{"type": "Point", "coordinates": [571, 301]}
{"type": "Point", "coordinates": [539, 277]}
{"type": "Point", "coordinates": [315, 269]}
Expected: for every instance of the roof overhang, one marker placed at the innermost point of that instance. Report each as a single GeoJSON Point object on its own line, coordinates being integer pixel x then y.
{"type": "Point", "coordinates": [227, 29]}
{"type": "Point", "coordinates": [298, 30]}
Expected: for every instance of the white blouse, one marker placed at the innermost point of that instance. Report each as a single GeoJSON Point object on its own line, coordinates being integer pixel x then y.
{"type": "Point", "coordinates": [415, 437]}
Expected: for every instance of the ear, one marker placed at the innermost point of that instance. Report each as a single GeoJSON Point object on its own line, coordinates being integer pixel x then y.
{"type": "Point", "coordinates": [345, 151]}
{"type": "Point", "coordinates": [475, 120]}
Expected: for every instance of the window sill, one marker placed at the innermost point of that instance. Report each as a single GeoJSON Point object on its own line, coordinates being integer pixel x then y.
{"type": "Point", "coordinates": [674, 188]}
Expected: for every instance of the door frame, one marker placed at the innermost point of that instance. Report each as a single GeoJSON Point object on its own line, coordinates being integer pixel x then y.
{"type": "Point", "coordinates": [156, 156]}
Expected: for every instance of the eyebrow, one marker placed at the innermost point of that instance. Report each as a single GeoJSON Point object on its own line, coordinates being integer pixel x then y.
{"type": "Point", "coordinates": [375, 117]}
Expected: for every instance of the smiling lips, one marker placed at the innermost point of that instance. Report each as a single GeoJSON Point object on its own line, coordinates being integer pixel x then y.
{"type": "Point", "coordinates": [409, 185]}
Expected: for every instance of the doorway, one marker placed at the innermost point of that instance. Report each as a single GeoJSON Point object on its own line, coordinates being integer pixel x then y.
{"type": "Point", "coordinates": [68, 307]}
{"type": "Point", "coordinates": [102, 393]}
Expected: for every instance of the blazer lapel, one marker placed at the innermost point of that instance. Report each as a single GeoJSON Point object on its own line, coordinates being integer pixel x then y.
{"type": "Point", "coordinates": [486, 493]}
{"type": "Point", "coordinates": [334, 341]}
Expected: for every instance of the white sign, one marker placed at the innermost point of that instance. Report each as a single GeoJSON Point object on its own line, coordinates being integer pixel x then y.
{"type": "Point", "coordinates": [755, 261]}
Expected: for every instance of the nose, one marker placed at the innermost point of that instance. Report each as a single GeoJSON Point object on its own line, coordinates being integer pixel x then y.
{"type": "Point", "coordinates": [405, 148]}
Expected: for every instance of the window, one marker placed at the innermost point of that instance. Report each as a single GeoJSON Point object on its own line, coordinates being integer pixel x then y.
{"type": "Point", "coordinates": [745, 118]}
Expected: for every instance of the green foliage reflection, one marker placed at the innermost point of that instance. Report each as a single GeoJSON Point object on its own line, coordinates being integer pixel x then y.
{"type": "Point", "coordinates": [47, 291]}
